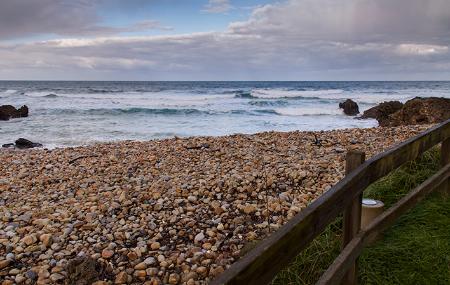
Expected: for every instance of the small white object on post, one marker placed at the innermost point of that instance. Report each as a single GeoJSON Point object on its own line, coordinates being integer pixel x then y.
{"type": "Point", "coordinates": [370, 210]}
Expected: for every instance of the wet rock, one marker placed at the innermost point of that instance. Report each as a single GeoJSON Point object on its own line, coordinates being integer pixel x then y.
{"type": "Point", "coordinates": [382, 111]}
{"type": "Point", "coordinates": [22, 143]}
{"type": "Point", "coordinates": [7, 112]}
{"type": "Point", "coordinates": [419, 111]}
{"type": "Point", "coordinates": [350, 107]}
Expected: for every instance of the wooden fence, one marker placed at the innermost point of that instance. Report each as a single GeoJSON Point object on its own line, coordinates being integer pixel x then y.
{"type": "Point", "coordinates": [272, 254]}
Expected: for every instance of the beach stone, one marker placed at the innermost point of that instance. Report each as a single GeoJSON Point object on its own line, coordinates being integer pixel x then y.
{"type": "Point", "coordinates": [150, 261]}
{"type": "Point", "coordinates": [4, 263]}
{"type": "Point", "coordinates": [155, 245]}
{"type": "Point", "coordinates": [199, 237]}
{"type": "Point", "coordinates": [141, 274]}
{"type": "Point", "coordinates": [248, 209]}
{"type": "Point", "coordinates": [216, 271]}
{"type": "Point", "coordinates": [20, 279]}
{"type": "Point", "coordinates": [107, 253]}
{"type": "Point", "coordinates": [46, 239]}
{"type": "Point", "coordinates": [10, 256]}
{"type": "Point", "coordinates": [30, 274]}
{"type": "Point", "coordinates": [174, 278]}
{"type": "Point", "coordinates": [140, 266]}
{"type": "Point", "coordinates": [29, 239]}
{"type": "Point", "coordinates": [25, 217]}
{"type": "Point", "coordinates": [132, 255]}
{"type": "Point", "coordinates": [56, 277]}
{"type": "Point", "coordinates": [121, 278]}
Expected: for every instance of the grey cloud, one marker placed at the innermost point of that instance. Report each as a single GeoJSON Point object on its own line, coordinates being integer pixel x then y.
{"type": "Point", "coordinates": [352, 20]}
{"type": "Point", "coordinates": [22, 18]}
{"type": "Point", "coordinates": [278, 42]}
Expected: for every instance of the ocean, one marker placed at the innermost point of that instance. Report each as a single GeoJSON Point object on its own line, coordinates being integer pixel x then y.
{"type": "Point", "coordinates": [72, 113]}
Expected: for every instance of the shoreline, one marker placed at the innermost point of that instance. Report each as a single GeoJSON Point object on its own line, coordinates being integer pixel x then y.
{"type": "Point", "coordinates": [172, 210]}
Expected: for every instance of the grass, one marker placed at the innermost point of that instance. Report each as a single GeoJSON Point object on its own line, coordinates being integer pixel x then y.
{"type": "Point", "coordinates": [415, 250]}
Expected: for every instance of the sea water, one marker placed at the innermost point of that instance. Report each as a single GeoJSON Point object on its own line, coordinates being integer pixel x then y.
{"type": "Point", "coordinates": [71, 113]}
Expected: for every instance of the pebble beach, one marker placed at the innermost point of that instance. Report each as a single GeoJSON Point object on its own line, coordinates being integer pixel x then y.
{"type": "Point", "coordinates": [172, 211]}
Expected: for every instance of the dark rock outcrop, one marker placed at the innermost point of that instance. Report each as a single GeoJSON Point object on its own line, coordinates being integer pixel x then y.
{"type": "Point", "coordinates": [7, 112]}
{"type": "Point", "coordinates": [22, 143]}
{"type": "Point", "coordinates": [382, 111]}
{"type": "Point", "coordinates": [350, 107]}
{"type": "Point", "coordinates": [420, 111]}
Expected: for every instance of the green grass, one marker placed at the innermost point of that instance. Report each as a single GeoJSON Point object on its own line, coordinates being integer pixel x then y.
{"type": "Point", "coordinates": [415, 250]}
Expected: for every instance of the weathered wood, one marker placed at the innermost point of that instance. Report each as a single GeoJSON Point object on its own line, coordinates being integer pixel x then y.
{"type": "Point", "coordinates": [445, 152]}
{"type": "Point", "coordinates": [445, 159]}
{"type": "Point", "coordinates": [352, 215]}
{"type": "Point", "coordinates": [351, 252]}
{"type": "Point", "coordinates": [262, 263]}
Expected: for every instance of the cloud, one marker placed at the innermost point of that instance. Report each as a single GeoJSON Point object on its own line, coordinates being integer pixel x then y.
{"type": "Point", "coordinates": [291, 40]}
{"type": "Point", "coordinates": [22, 18]}
{"type": "Point", "coordinates": [352, 20]}
{"type": "Point", "coordinates": [418, 49]}
{"type": "Point", "coordinates": [218, 6]}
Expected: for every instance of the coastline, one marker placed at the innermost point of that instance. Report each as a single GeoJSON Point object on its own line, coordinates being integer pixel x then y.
{"type": "Point", "coordinates": [172, 210]}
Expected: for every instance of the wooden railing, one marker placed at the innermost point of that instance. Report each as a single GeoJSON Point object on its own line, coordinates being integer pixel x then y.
{"type": "Point", "coordinates": [272, 254]}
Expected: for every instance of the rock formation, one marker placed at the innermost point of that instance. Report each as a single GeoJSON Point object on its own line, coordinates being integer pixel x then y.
{"type": "Point", "coordinates": [350, 107]}
{"type": "Point", "coordinates": [7, 112]}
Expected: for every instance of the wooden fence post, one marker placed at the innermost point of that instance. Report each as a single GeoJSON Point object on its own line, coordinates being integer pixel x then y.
{"type": "Point", "coordinates": [445, 159]}
{"type": "Point", "coordinates": [352, 215]}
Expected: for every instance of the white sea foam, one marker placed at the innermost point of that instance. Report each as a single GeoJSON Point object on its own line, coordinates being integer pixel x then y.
{"type": "Point", "coordinates": [8, 92]}
{"type": "Point", "coordinates": [282, 93]}
{"type": "Point", "coordinates": [362, 97]}
{"type": "Point", "coordinates": [308, 111]}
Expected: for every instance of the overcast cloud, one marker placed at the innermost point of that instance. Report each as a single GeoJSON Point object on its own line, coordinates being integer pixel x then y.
{"type": "Point", "coordinates": [291, 40]}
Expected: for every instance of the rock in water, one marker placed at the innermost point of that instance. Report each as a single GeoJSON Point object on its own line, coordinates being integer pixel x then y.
{"type": "Point", "coordinates": [350, 107]}
{"type": "Point", "coordinates": [24, 143]}
{"type": "Point", "coordinates": [7, 112]}
{"type": "Point", "coordinates": [382, 111]}
{"type": "Point", "coordinates": [8, 145]}
{"type": "Point", "coordinates": [419, 111]}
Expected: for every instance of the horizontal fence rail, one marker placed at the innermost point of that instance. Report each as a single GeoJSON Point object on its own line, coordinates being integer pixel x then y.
{"type": "Point", "coordinates": [261, 264]}
{"type": "Point", "coordinates": [348, 256]}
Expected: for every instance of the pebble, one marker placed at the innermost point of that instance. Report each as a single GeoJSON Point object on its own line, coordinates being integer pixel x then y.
{"type": "Point", "coordinates": [4, 263]}
{"type": "Point", "coordinates": [150, 261]}
{"type": "Point", "coordinates": [199, 237]}
{"type": "Point", "coordinates": [46, 239]}
{"type": "Point", "coordinates": [161, 211]}
{"type": "Point", "coordinates": [121, 278]}
{"type": "Point", "coordinates": [155, 245]}
{"type": "Point", "coordinates": [107, 253]}
{"type": "Point", "coordinates": [174, 278]}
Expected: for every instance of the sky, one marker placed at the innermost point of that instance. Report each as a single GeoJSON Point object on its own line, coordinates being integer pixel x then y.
{"type": "Point", "coordinates": [224, 40]}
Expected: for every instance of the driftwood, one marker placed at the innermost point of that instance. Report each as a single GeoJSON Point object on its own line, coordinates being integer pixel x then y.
{"type": "Point", "coordinates": [202, 146]}
{"type": "Point", "coordinates": [81, 157]}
